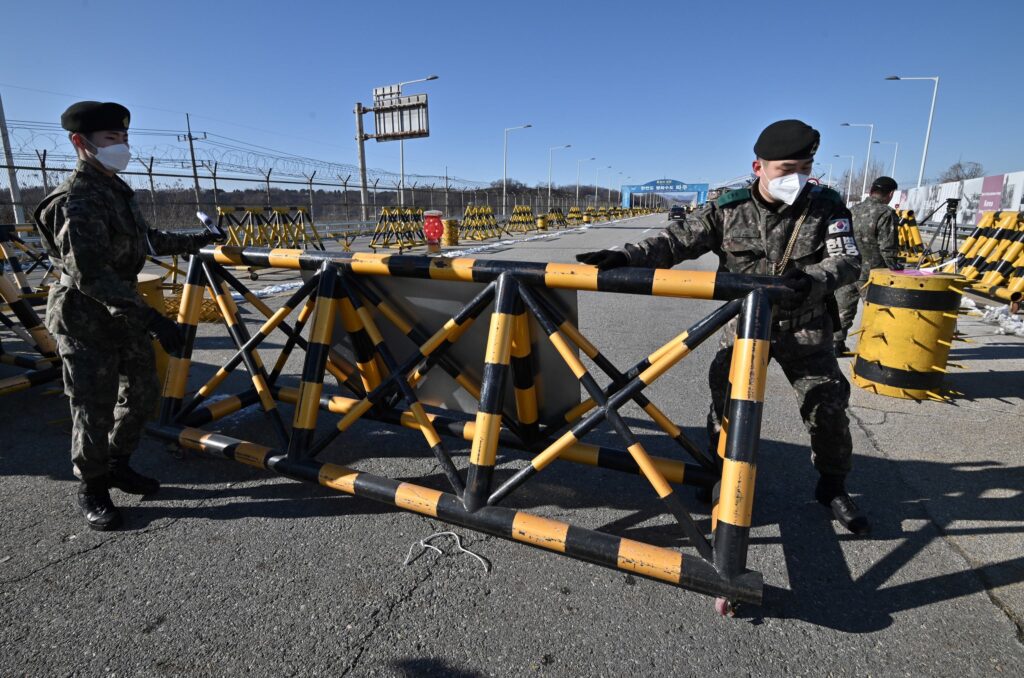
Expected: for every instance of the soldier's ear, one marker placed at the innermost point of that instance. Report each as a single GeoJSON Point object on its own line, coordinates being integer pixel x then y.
{"type": "Point", "coordinates": [78, 140]}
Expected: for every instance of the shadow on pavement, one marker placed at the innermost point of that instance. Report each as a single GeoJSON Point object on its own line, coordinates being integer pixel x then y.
{"type": "Point", "coordinates": [430, 666]}
{"type": "Point", "coordinates": [980, 385]}
{"type": "Point", "coordinates": [1004, 350]}
{"type": "Point", "coordinates": [822, 589]}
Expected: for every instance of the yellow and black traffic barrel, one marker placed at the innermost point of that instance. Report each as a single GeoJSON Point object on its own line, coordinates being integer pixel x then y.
{"type": "Point", "coordinates": [907, 331]}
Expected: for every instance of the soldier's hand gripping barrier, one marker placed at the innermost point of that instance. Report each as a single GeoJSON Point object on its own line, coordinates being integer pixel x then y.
{"type": "Point", "coordinates": [382, 382]}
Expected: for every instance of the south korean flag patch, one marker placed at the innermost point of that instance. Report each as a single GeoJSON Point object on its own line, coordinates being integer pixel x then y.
{"type": "Point", "coordinates": [839, 240]}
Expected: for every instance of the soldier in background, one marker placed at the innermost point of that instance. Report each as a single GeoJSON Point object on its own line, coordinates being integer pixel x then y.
{"type": "Point", "coordinates": [876, 228]}
{"type": "Point", "coordinates": [94, 232]}
{"type": "Point", "coordinates": [780, 225]}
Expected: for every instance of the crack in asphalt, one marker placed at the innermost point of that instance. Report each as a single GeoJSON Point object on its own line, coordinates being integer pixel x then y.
{"type": "Point", "coordinates": [380, 621]}
{"type": "Point", "coordinates": [975, 567]}
{"type": "Point", "coordinates": [115, 537]}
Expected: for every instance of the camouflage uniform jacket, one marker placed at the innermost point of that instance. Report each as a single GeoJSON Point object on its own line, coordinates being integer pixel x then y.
{"type": "Point", "coordinates": [748, 237]}
{"type": "Point", "coordinates": [93, 230]}
{"type": "Point", "coordinates": [876, 228]}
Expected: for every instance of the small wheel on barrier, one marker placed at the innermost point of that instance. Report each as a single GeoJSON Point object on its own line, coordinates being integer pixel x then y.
{"type": "Point", "coordinates": [724, 608]}
{"type": "Point", "coordinates": [253, 275]}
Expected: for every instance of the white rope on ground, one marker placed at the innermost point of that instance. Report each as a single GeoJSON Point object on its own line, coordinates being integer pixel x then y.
{"type": "Point", "coordinates": [425, 544]}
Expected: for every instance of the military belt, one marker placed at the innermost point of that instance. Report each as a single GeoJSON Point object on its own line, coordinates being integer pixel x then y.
{"type": "Point", "coordinates": [799, 320]}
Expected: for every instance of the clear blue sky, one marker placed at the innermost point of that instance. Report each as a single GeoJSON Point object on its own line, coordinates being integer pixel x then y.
{"type": "Point", "coordinates": [676, 89]}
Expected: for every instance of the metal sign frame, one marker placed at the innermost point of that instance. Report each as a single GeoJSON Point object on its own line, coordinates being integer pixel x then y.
{"type": "Point", "coordinates": [397, 117]}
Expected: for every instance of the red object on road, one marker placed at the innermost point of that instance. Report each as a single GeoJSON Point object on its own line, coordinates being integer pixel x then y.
{"type": "Point", "coordinates": [433, 228]}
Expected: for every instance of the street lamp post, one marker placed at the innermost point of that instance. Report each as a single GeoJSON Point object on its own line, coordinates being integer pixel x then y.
{"type": "Point", "coordinates": [892, 172]}
{"type": "Point", "coordinates": [401, 142]}
{"type": "Point", "coordinates": [610, 178]}
{"type": "Point", "coordinates": [849, 178]}
{"type": "Point", "coordinates": [550, 151]}
{"type": "Point", "coordinates": [867, 160]}
{"type": "Point", "coordinates": [504, 168]}
{"type": "Point", "coordinates": [578, 163]}
{"type": "Point", "coordinates": [931, 115]}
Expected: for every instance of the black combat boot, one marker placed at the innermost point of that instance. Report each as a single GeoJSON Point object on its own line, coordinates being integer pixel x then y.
{"type": "Point", "coordinates": [831, 493]}
{"type": "Point", "coordinates": [126, 479]}
{"type": "Point", "coordinates": [841, 349]}
{"type": "Point", "coordinates": [94, 503]}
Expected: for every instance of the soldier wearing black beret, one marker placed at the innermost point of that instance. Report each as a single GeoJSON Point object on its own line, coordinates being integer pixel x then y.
{"type": "Point", "coordinates": [780, 225]}
{"type": "Point", "coordinates": [876, 227]}
{"type": "Point", "coordinates": [94, 232]}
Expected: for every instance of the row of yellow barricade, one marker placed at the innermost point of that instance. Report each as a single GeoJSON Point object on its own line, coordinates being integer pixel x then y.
{"type": "Point", "coordinates": [991, 259]}
{"type": "Point", "coordinates": [286, 227]}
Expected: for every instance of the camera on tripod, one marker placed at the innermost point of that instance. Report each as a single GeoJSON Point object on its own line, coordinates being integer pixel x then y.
{"type": "Point", "coordinates": [951, 205]}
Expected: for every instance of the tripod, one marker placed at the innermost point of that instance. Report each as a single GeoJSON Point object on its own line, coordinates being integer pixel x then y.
{"type": "Point", "coordinates": [946, 233]}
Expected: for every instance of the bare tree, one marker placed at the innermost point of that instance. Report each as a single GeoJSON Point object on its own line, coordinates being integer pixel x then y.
{"type": "Point", "coordinates": [876, 170]}
{"type": "Point", "coordinates": [960, 170]}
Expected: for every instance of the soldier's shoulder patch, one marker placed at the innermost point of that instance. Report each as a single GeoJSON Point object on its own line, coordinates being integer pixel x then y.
{"type": "Point", "coordinates": [839, 226]}
{"type": "Point", "coordinates": [733, 197]}
{"type": "Point", "coordinates": [839, 240]}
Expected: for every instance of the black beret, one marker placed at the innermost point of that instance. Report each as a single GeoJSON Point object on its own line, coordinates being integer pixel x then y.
{"type": "Point", "coordinates": [95, 116]}
{"type": "Point", "coordinates": [787, 140]}
{"type": "Point", "coordinates": [883, 185]}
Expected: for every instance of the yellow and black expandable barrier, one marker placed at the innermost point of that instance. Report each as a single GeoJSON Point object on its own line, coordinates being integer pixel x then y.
{"type": "Point", "coordinates": [906, 333]}
{"type": "Point", "coordinates": [12, 248]}
{"type": "Point", "coordinates": [399, 229]}
{"type": "Point", "coordinates": [27, 327]}
{"type": "Point", "coordinates": [479, 223]}
{"type": "Point", "coordinates": [382, 386]}
{"type": "Point", "coordinates": [289, 227]}
{"type": "Point", "coordinates": [555, 218]}
{"type": "Point", "coordinates": [574, 217]}
{"type": "Point", "coordinates": [991, 259]}
{"type": "Point", "coordinates": [521, 220]}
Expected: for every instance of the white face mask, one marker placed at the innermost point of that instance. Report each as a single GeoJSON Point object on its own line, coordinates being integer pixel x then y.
{"type": "Point", "coordinates": [788, 187]}
{"type": "Point", "coordinates": [115, 158]}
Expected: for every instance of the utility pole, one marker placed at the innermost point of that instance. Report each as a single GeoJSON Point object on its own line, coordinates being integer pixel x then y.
{"type": "Point", "coordinates": [12, 174]}
{"type": "Point", "coordinates": [309, 189]}
{"type": "Point", "coordinates": [152, 187]}
{"type": "Point", "coordinates": [192, 154]}
{"type": "Point", "coordinates": [42, 168]}
{"type": "Point", "coordinates": [361, 139]}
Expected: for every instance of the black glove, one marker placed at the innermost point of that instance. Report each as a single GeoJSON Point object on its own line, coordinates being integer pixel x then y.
{"type": "Point", "coordinates": [604, 259]}
{"type": "Point", "coordinates": [800, 285]}
{"type": "Point", "coordinates": [209, 238]}
{"type": "Point", "coordinates": [164, 330]}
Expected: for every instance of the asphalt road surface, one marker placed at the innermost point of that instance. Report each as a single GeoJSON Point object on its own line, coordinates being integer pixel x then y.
{"type": "Point", "coordinates": [230, 571]}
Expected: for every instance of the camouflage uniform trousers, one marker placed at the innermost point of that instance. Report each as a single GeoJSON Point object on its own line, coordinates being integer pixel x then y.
{"type": "Point", "coordinates": [807, 358]}
{"type": "Point", "coordinates": [847, 297]}
{"type": "Point", "coordinates": [113, 389]}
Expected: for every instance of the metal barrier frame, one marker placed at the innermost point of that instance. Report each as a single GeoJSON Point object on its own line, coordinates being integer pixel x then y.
{"type": "Point", "coordinates": [27, 325]}
{"type": "Point", "coordinates": [382, 386]}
